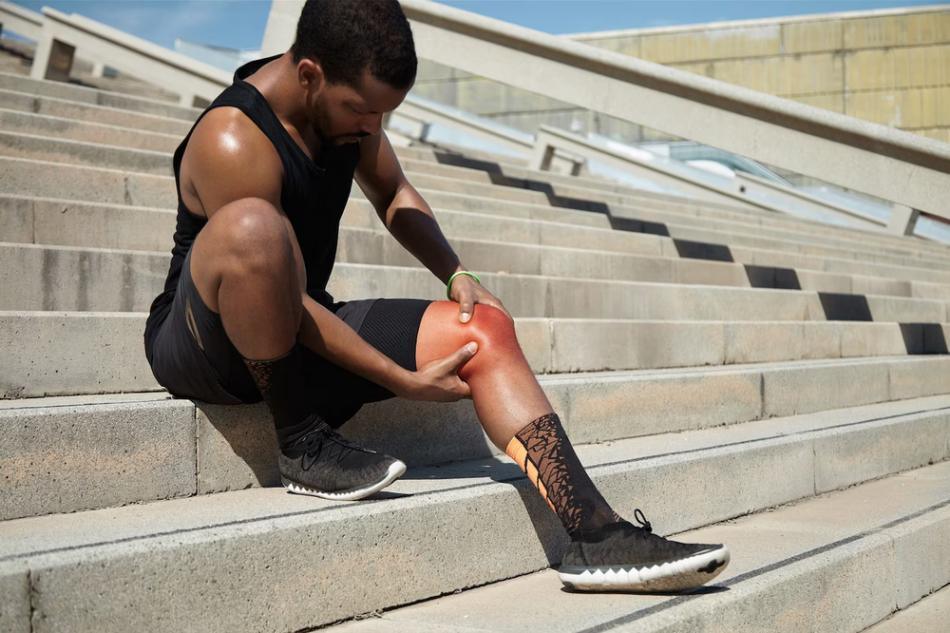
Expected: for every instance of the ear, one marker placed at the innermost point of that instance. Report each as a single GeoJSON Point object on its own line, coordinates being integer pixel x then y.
{"type": "Point", "coordinates": [310, 75]}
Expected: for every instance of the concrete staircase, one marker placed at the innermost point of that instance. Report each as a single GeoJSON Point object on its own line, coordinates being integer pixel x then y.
{"type": "Point", "coordinates": [778, 385]}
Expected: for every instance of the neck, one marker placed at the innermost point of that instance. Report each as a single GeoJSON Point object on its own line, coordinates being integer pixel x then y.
{"type": "Point", "coordinates": [277, 81]}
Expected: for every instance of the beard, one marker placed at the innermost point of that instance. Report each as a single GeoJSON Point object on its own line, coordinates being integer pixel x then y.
{"type": "Point", "coordinates": [324, 131]}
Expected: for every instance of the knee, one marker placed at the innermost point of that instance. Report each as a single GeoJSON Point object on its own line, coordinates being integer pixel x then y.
{"type": "Point", "coordinates": [253, 235]}
{"type": "Point", "coordinates": [490, 325]}
{"type": "Point", "coordinates": [493, 330]}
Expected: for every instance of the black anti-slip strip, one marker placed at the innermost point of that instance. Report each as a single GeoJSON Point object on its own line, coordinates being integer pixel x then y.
{"type": "Point", "coordinates": [283, 515]}
{"type": "Point", "coordinates": [675, 602]}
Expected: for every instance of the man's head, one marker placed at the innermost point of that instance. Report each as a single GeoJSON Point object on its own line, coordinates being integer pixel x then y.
{"type": "Point", "coordinates": [356, 60]}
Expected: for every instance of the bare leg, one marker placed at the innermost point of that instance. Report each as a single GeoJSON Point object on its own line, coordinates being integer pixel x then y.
{"type": "Point", "coordinates": [247, 266]}
{"type": "Point", "coordinates": [506, 394]}
{"type": "Point", "coordinates": [512, 408]}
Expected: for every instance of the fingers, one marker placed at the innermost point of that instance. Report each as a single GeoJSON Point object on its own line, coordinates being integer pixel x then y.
{"type": "Point", "coordinates": [463, 354]}
{"type": "Point", "coordinates": [458, 357]}
{"type": "Point", "coordinates": [468, 300]}
{"type": "Point", "coordinates": [466, 306]}
{"type": "Point", "coordinates": [464, 390]}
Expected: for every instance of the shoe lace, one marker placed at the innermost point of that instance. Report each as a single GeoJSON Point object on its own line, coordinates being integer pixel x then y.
{"type": "Point", "coordinates": [325, 439]}
{"type": "Point", "coordinates": [639, 517]}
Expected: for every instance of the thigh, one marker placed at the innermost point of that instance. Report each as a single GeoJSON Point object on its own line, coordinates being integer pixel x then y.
{"type": "Point", "coordinates": [389, 325]}
{"type": "Point", "coordinates": [193, 356]}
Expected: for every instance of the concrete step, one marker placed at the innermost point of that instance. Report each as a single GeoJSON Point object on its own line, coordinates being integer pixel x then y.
{"type": "Point", "coordinates": [99, 132]}
{"type": "Point", "coordinates": [573, 195]}
{"type": "Point", "coordinates": [929, 615]}
{"type": "Point", "coordinates": [76, 111]}
{"type": "Point", "coordinates": [423, 163]}
{"type": "Point", "coordinates": [84, 121]}
{"type": "Point", "coordinates": [436, 160]}
{"type": "Point", "coordinates": [685, 225]}
{"type": "Point", "coordinates": [79, 112]}
{"type": "Point", "coordinates": [675, 224]}
{"type": "Point", "coordinates": [72, 353]}
{"type": "Point", "coordinates": [72, 92]}
{"type": "Point", "coordinates": [504, 160]}
{"type": "Point", "coordinates": [15, 66]}
{"type": "Point", "coordinates": [585, 187]}
{"type": "Point", "coordinates": [123, 84]}
{"type": "Point", "coordinates": [237, 557]}
{"type": "Point", "coordinates": [88, 132]}
{"type": "Point", "coordinates": [831, 564]}
{"type": "Point", "coordinates": [91, 184]}
{"type": "Point", "coordinates": [15, 47]}
{"type": "Point", "coordinates": [116, 449]}
{"type": "Point", "coordinates": [115, 187]}
{"type": "Point", "coordinates": [475, 196]}
{"type": "Point", "coordinates": [717, 223]}
{"type": "Point", "coordinates": [501, 167]}
{"type": "Point", "coordinates": [77, 130]}
{"type": "Point", "coordinates": [38, 277]}
{"type": "Point", "coordinates": [540, 247]}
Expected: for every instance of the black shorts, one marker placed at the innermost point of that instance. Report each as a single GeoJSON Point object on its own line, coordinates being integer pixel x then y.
{"type": "Point", "coordinates": [193, 357]}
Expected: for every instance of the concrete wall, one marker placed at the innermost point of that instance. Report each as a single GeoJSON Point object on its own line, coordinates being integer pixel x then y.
{"type": "Point", "coordinates": [890, 66]}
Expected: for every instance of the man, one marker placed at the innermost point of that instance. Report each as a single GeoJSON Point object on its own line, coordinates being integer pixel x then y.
{"type": "Point", "coordinates": [263, 178]}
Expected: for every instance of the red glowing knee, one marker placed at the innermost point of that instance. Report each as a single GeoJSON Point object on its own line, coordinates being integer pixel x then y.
{"type": "Point", "coordinates": [441, 333]}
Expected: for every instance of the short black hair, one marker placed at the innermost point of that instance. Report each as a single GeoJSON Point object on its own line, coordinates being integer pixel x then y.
{"type": "Point", "coordinates": [346, 36]}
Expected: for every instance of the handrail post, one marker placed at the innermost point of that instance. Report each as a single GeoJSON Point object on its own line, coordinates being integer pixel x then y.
{"type": "Point", "coordinates": [424, 128]}
{"type": "Point", "coordinates": [903, 220]}
{"type": "Point", "coordinates": [543, 153]}
{"type": "Point", "coordinates": [53, 58]}
{"type": "Point", "coordinates": [421, 127]}
{"type": "Point", "coordinates": [577, 166]}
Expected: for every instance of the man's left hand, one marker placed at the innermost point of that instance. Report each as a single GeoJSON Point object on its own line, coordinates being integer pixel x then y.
{"type": "Point", "coordinates": [467, 292]}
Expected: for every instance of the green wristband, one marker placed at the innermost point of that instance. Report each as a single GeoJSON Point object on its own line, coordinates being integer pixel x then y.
{"type": "Point", "coordinates": [448, 284]}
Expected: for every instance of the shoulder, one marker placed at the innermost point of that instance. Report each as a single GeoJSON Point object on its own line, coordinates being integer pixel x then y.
{"type": "Point", "coordinates": [226, 131]}
{"type": "Point", "coordinates": [227, 158]}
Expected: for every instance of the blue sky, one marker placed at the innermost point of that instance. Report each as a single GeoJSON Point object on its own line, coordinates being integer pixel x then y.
{"type": "Point", "coordinates": [240, 23]}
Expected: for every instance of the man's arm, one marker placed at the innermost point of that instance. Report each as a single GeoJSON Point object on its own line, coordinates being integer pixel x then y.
{"type": "Point", "coordinates": [228, 158]}
{"type": "Point", "coordinates": [404, 212]}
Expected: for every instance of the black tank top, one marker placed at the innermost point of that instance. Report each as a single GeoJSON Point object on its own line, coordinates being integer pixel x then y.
{"type": "Point", "coordinates": [313, 195]}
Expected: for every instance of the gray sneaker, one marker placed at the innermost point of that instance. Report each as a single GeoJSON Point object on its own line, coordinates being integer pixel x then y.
{"type": "Point", "coordinates": [625, 557]}
{"type": "Point", "coordinates": [322, 463]}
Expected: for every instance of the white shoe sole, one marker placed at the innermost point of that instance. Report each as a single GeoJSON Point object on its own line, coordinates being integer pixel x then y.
{"type": "Point", "coordinates": [396, 470]}
{"type": "Point", "coordinates": [686, 573]}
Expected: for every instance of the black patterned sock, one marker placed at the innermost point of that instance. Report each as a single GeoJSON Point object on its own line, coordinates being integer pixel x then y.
{"type": "Point", "coordinates": [545, 454]}
{"type": "Point", "coordinates": [282, 386]}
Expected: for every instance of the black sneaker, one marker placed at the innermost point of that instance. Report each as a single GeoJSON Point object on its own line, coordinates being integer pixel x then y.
{"type": "Point", "coordinates": [623, 556]}
{"type": "Point", "coordinates": [323, 463]}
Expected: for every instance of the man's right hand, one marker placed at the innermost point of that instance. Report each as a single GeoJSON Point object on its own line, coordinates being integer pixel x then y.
{"type": "Point", "coordinates": [437, 380]}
